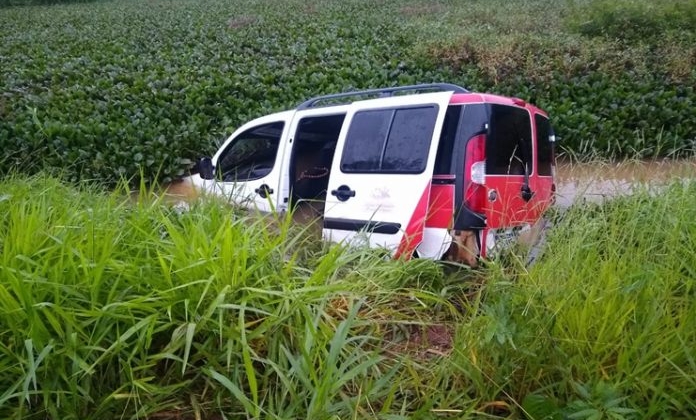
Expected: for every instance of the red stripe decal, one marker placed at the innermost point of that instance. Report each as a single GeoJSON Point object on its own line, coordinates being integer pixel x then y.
{"type": "Point", "coordinates": [483, 236]}
{"type": "Point", "coordinates": [440, 206]}
{"type": "Point", "coordinates": [413, 235]}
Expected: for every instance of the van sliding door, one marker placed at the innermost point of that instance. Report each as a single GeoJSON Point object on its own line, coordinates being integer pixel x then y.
{"type": "Point", "coordinates": [380, 179]}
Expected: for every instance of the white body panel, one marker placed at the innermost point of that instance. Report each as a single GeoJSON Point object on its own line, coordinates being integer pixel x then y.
{"type": "Point", "coordinates": [389, 198]}
{"type": "Point", "coordinates": [436, 241]}
{"type": "Point", "coordinates": [245, 192]}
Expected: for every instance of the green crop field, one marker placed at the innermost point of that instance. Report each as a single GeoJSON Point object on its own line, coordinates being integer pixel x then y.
{"type": "Point", "coordinates": [107, 90]}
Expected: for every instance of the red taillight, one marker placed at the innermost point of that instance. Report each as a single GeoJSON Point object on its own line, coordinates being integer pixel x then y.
{"type": "Point", "coordinates": [475, 174]}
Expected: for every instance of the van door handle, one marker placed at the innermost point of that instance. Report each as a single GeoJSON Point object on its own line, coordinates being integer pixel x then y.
{"type": "Point", "coordinates": [526, 193]}
{"type": "Point", "coordinates": [264, 191]}
{"type": "Point", "coordinates": [343, 193]}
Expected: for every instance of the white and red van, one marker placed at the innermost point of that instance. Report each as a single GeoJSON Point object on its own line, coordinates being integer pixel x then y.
{"type": "Point", "coordinates": [429, 170]}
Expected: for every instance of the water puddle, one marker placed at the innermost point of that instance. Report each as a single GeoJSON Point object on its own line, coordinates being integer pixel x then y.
{"type": "Point", "coordinates": [595, 182]}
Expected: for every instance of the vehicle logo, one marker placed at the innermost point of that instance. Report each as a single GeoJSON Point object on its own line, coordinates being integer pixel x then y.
{"type": "Point", "coordinates": [380, 193]}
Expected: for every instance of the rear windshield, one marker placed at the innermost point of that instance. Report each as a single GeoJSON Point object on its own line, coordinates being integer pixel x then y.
{"type": "Point", "coordinates": [509, 141]}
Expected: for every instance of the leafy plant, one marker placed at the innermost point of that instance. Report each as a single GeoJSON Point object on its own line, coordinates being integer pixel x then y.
{"type": "Point", "coordinates": [634, 20]}
{"type": "Point", "coordinates": [601, 401]}
{"type": "Point", "coordinates": [111, 90]}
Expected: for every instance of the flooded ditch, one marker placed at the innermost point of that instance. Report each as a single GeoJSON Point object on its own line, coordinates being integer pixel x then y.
{"type": "Point", "coordinates": [595, 182]}
{"type": "Point", "coordinates": [589, 182]}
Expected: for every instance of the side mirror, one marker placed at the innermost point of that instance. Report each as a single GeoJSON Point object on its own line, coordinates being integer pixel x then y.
{"type": "Point", "coordinates": [205, 168]}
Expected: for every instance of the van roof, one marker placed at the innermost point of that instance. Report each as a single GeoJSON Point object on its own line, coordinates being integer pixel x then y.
{"type": "Point", "coordinates": [489, 98]}
{"type": "Point", "coordinates": [345, 97]}
{"type": "Point", "coordinates": [460, 96]}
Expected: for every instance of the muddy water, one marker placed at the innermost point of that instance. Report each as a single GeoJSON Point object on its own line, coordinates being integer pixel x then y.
{"type": "Point", "coordinates": [179, 191]}
{"type": "Point", "coordinates": [591, 182]}
{"type": "Point", "coordinates": [594, 182]}
{"type": "Point", "coordinates": [576, 182]}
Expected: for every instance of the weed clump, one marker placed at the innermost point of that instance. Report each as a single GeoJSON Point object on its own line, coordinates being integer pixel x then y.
{"type": "Point", "coordinates": [634, 21]}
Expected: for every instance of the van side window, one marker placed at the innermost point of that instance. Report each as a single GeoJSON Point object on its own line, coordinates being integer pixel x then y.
{"type": "Point", "coordinates": [509, 141]}
{"type": "Point", "coordinates": [445, 148]}
{"type": "Point", "coordinates": [544, 149]}
{"type": "Point", "coordinates": [389, 140]}
{"type": "Point", "coordinates": [252, 154]}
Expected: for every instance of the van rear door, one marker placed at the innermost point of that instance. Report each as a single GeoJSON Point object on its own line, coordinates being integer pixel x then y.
{"type": "Point", "coordinates": [545, 163]}
{"type": "Point", "coordinates": [510, 171]}
{"type": "Point", "coordinates": [380, 178]}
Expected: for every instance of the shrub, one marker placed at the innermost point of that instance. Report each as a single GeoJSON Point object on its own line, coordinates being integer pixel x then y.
{"type": "Point", "coordinates": [8, 3]}
{"type": "Point", "coordinates": [633, 20]}
{"type": "Point", "coordinates": [605, 98]}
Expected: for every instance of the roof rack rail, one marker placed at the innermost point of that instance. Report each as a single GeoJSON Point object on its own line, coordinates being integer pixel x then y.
{"type": "Point", "coordinates": [381, 93]}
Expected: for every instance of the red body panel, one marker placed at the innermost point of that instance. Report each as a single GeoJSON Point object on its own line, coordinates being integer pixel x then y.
{"type": "Point", "coordinates": [480, 98]}
{"type": "Point", "coordinates": [414, 231]}
{"type": "Point", "coordinates": [509, 209]}
{"type": "Point", "coordinates": [441, 207]}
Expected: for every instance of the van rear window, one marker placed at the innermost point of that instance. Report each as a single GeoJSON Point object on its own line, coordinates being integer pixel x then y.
{"type": "Point", "coordinates": [395, 140]}
{"type": "Point", "coordinates": [509, 142]}
{"type": "Point", "coordinates": [544, 150]}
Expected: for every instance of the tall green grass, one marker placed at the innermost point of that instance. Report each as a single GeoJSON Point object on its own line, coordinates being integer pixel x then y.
{"type": "Point", "coordinates": [119, 308]}
{"type": "Point", "coordinates": [112, 307]}
{"type": "Point", "coordinates": [604, 325]}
